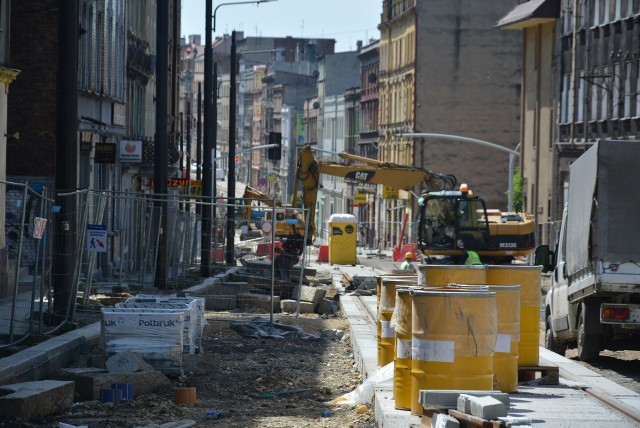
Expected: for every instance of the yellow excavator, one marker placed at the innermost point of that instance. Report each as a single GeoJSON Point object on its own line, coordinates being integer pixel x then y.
{"type": "Point", "coordinates": [287, 221]}
{"type": "Point", "coordinates": [450, 221]}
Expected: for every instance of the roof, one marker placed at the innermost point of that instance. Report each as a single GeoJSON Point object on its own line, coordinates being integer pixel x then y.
{"type": "Point", "coordinates": [530, 13]}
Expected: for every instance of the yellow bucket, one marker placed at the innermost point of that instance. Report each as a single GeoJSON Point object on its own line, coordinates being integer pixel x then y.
{"type": "Point", "coordinates": [530, 296]}
{"type": "Point", "coordinates": [387, 337]}
{"type": "Point", "coordinates": [442, 275]}
{"type": "Point", "coordinates": [401, 321]}
{"type": "Point", "coordinates": [378, 293]}
{"type": "Point", "coordinates": [505, 358]}
{"type": "Point", "coordinates": [453, 336]}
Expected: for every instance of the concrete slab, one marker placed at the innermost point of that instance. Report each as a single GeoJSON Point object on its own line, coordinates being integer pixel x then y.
{"type": "Point", "coordinates": [36, 399]}
{"type": "Point", "coordinates": [44, 359]}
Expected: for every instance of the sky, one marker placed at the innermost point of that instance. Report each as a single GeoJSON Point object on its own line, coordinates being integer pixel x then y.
{"type": "Point", "coordinates": [346, 21]}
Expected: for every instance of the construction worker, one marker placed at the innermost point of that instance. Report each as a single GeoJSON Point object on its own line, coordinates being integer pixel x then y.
{"type": "Point", "coordinates": [472, 258]}
{"type": "Point", "coordinates": [407, 265]}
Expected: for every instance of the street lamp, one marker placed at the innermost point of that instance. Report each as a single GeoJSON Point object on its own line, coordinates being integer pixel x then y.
{"type": "Point", "coordinates": [209, 121]}
{"type": "Point", "coordinates": [512, 153]}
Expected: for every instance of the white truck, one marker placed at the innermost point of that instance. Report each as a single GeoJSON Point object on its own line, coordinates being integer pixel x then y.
{"type": "Point", "coordinates": [594, 299]}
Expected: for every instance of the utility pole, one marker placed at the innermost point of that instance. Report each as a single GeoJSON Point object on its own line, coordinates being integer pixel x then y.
{"type": "Point", "coordinates": [66, 175]}
{"type": "Point", "coordinates": [161, 156]}
{"type": "Point", "coordinates": [209, 123]}
{"type": "Point", "coordinates": [231, 176]}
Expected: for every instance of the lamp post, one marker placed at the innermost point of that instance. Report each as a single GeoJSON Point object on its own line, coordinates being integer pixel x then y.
{"type": "Point", "coordinates": [512, 153]}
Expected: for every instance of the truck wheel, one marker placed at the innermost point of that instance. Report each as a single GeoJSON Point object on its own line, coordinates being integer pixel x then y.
{"type": "Point", "coordinates": [588, 344]}
{"type": "Point", "coordinates": [550, 341]}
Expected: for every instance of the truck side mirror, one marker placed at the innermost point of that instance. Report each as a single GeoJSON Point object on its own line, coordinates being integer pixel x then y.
{"type": "Point", "coordinates": [543, 257]}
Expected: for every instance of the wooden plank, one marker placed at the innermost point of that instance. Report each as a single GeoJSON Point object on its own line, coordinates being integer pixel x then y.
{"type": "Point", "coordinates": [473, 421]}
{"type": "Point", "coordinates": [429, 414]}
{"type": "Point", "coordinates": [549, 375]}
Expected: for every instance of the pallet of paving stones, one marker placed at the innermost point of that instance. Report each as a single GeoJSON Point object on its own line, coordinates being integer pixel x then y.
{"type": "Point", "coordinates": [192, 307]}
{"type": "Point", "coordinates": [155, 335]}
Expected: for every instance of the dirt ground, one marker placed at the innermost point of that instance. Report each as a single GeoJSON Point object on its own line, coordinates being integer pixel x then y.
{"type": "Point", "coordinates": [230, 373]}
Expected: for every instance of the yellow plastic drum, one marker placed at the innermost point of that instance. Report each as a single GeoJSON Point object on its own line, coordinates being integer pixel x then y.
{"type": "Point", "coordinates": [442, 275]}
{"type": "Point", "coordinates": [505, 358]}
{"type": "Point", "coordinates": [401, 321]}
{"type": "Point", "coordinates": [411, 276]}
{"type": "Point", "coordinates": [387, 336]}
{"type": "Point", "coordinates": [453, 335]}
{"type": "Point", "coordinates": [530, 296]}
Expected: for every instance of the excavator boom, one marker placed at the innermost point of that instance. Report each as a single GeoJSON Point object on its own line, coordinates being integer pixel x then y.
{"type": "Point", "coordinates": [371, 171]}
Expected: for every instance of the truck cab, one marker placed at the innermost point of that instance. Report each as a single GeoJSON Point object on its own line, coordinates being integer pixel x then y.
{"type": "Point", "coordinates": [560, 316]}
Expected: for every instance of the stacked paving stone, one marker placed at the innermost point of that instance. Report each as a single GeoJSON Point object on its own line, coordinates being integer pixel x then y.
{"type": "Point", "coordinates": [446, 408]}
{"type": "Point", "coordinates": [159, 328]}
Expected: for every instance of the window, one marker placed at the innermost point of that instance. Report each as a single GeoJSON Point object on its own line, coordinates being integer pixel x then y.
{"type": "Point", "coordinates": [595, 89]}
{"type": "Point", "coordinates": [581, 97]}
{"type": "Point", "coordinates": [627, 90]}
{"type": "Point", "coordinates": [615, 88]}
{"type": "Point", "coordinates": [604, 95]}
{"type": "Point", "coordinates": [564, 99]}
{"type": "Point", "coordinates": [99, 52]}
{"type": "Point", "coordinates": [606, 16]}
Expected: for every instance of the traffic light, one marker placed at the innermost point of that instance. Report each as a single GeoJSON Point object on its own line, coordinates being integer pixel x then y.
{"type": "Point", "coordinates": [275, 153]}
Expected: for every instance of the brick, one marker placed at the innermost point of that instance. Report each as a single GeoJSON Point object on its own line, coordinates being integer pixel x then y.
{"type": "Point", "coordinates": [36, 399]}
{"type": "Point", "coordinates": [291, 306]}
{"type": "Point", "coordinates": [487, 408]}
{"type": "Point", "coordinates": [441, 420]}
{"type": "Point", "coordinates": [312, 294]}
{"type": "Point", "coordinates": [325, 306]}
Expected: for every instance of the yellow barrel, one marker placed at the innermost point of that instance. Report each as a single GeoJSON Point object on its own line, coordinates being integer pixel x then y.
{"type": "Point", "coordinates": [387, 337]}
{"type": "Point", "coordinates": [530, 297]}
{"type": "Point", "coordinates": [401, 321]}
{"type": "Point", "coordinates": [378, 293]}
{"type": "Point", "coordinates": [453, 336]}
{"type": "Point", "coordinates": [442, 275]}
{"type": "Point", "coordinates": [505, 358]}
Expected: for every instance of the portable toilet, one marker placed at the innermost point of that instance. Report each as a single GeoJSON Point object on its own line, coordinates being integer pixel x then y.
{"type": "Point", "coordinates": [343, 237]}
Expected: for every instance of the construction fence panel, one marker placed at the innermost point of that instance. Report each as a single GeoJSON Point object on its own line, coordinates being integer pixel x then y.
{"type": "Point", "coordinates": [25, 260]}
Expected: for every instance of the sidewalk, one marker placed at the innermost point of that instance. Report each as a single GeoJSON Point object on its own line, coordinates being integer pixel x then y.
{"type": "Point", "coordinates": [572, 403]}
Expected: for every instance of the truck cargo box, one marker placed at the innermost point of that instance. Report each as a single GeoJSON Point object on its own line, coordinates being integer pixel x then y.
{"type": "Point", "coordinates": [603, 223]}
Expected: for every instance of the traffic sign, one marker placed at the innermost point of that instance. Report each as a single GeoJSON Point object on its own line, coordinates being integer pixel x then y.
{"type": "Point", "coordinates": [96, 238]}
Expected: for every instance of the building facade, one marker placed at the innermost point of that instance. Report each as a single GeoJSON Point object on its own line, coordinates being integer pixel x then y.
{"type": "Point", "coordinates": [445, 69]}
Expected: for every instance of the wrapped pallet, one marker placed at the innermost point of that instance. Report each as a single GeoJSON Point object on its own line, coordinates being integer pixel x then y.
{"type": "Point", "coordinates": [155, 335]}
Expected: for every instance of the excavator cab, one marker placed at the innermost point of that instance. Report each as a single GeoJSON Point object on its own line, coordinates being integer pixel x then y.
{"type": "Point", "coordinates": [450, 222]}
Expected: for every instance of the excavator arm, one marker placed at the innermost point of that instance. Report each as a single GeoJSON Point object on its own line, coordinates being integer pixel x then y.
{"type": "Point", "coordinates": [370, 171]}
{"type": "Point", "coordinates": [254, 194]}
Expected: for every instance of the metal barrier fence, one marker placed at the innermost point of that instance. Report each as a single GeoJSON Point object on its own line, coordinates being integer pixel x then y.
{"type": "Point", "coordinates": [115, 238]}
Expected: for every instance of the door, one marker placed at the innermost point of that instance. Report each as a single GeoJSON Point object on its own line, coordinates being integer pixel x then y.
{"type": "Point", "coordinates": [559, 284]}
